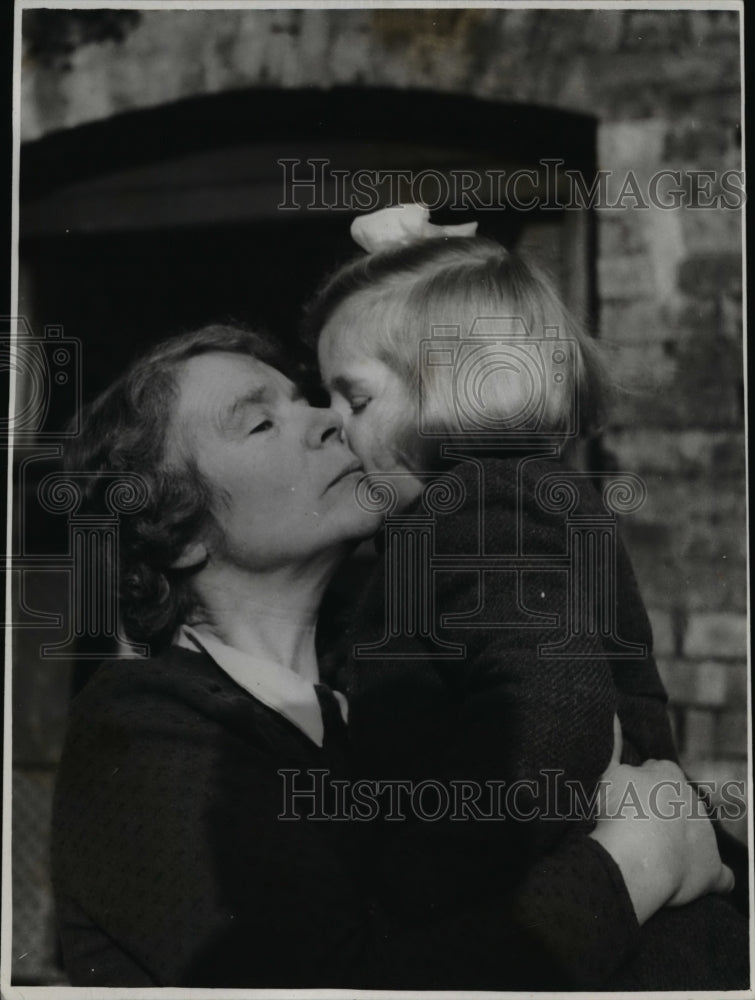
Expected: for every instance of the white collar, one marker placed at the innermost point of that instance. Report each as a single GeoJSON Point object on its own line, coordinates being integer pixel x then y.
{"type": "Point", "coordinates": [276, 686]}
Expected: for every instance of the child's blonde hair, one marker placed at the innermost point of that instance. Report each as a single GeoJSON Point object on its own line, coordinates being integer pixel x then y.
{"type": "Point", "coordinates": [451, 317]}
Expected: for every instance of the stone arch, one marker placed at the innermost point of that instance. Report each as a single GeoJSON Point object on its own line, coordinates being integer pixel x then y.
{"type": "Point", "coordinates": [364, 114]}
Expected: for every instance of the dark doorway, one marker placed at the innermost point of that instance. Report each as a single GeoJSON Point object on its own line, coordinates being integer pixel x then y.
{"type": "Point", "coordinates": [158, 221]}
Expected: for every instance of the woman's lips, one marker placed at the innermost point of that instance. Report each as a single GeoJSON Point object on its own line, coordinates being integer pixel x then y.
{"type": "Point", "coordinates": [350, 470]}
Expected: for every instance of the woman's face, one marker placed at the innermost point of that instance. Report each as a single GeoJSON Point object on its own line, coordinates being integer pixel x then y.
{"type": "Point", "coordinates": [374, 404]}
{"type": "Point", "coordinates": [283, 476]}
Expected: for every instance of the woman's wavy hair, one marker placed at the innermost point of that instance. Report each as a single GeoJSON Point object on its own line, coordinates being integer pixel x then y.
{"type": "Point", "coordinates": [124, 431]}
{"type": "Point", "coordinates": [393, 299]}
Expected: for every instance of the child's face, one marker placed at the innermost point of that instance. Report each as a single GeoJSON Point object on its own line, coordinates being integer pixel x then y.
{"type": "Point", "coordinates": [373, 402]}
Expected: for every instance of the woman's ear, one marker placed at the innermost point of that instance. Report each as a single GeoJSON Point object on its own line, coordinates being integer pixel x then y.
{"type": "Point", "coordinates": [193, 555]}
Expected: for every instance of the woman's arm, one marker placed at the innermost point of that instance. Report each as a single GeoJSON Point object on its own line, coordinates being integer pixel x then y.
{"type": "Point", "coordinates": [573, 920]}
{"type": "Point", "coordinates": [658, 794]}
{"type": "Point", "coordinates": [169, 848]}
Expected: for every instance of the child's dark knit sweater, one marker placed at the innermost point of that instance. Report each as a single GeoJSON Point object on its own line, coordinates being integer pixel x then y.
{"type": "Point", "coordinates": [510, 715]}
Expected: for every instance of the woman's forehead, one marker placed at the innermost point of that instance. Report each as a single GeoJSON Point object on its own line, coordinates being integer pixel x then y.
{"type": "Point", "coordinates": [219, 374]}
{"type": "Point", "coordinates": [213, 387]}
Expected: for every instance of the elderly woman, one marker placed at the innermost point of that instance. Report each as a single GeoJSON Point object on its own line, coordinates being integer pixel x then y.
{"type": "Point", "coordinates": [178, 859]}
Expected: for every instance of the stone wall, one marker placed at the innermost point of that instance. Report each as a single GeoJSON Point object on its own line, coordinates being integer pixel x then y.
{"type": "Point", "coordinates": [679, 69]}
{"type": "Point", "coordinates": [665, 88]}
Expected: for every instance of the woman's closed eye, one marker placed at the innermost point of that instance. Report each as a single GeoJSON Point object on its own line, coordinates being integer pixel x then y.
{"type": "Point", "coordinates": [261, 426]}
{"type": "Point", "coordinates": [359, 403]}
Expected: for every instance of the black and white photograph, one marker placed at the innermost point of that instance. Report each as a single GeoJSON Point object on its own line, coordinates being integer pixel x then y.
{"type": "Point", "coordinates": [377, 592]}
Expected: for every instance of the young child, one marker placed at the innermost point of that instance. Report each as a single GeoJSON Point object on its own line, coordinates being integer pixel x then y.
{"type": "Point", "coordinates": [454, 361]}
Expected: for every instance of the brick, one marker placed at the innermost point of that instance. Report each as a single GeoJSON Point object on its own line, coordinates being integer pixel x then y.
{"type": "Point", "coordinates": [701, 523]}
{"type": "Point", "coordinates": [730, 317]}
{"type": "Point", "coordinates": [729, 781]}
{"type": "Point", "coordinates": [640, 367]}
{"type": "Point", "coordinates": [698, 141]}
{"type": "Point", "coordinates": [677, 679]}
{"type": "Point", "coordinates": [728, 456]}
{"type": "Point", "coordinates": [604, 31]}
{"type": "Point", "coordinates": [632, 322]}
{"type": "Point", "coordinates": [737, 684]}
{"type": "Point", "coordinates": [708, 383]}
{"type": "Point", "coordinates": [688, 77]}
{"type": "Point", "coordinates": [641, 535]}
{"type": "Point", "coordinates": [699, 733]}
{"type": "Point", "coordinates": [711, 26]}
{"type": "Point", "coordinates": [667, 251]}
{"type": "Point", "coordinates": [703, 685]}
{"type": "Point", "coordinates": [719, 585]}
{"type": "Point", "coordinates": [687, 545]}
{"type": "Point", "coordinates": [711, 684]}
{"type": "Point", "coordinates": [648, 29]}
{"type": "Point", "coordinates": [659, 579]}
{"type": "Point", "coordinates": [709, 274]}
{"type": "Point", "coordinates": [731, 735]}
{"type": "Point", "coordinates": [683, 454]}
{"type": "Point", "coordinates": [699, 540]}
{"type": "Point", "coordinates": [711, 501]}
{"type": "Point", "coordinates": [621, 234]}
{"type": "Point", "coordinates": [682, 402]}
{"type": "Point", "coordinates": [627, 277]}
{"type": "Point", "coordinates": [708, 340]}
{"type": "Point", "coordinates": [717, 770]}
{"type": "Point", "coordinates": [693, 399]}
{"type": "Point", "coordinates": [632, 145]}
{"type": "Point", "coordinates": [706, 527]}
{"type": "Point", "coordinates": [720, 634]}
{"type": "Point", "coordinates": [663, 633]}
{"type": "Point", "coordinates": [695, 314]}
{"type": "Point", "coordinates": [712, 229]}
{"type": "Point", "coordinates": [723, 103]}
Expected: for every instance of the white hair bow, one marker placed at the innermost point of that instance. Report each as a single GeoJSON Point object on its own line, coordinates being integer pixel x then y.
{"type": "Point", "coordinates": [401, 225]}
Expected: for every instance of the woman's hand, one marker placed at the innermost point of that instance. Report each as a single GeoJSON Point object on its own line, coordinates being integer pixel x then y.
{"type": "Point", "coordinates": [654, 825]}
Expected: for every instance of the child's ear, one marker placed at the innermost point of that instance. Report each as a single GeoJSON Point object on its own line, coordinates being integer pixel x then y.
{"type": "Point", "coordinates": [194, 554]}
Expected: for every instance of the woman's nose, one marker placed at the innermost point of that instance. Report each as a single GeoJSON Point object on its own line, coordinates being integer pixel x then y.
{"type": "Point", "coordinates": [325, 425]}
